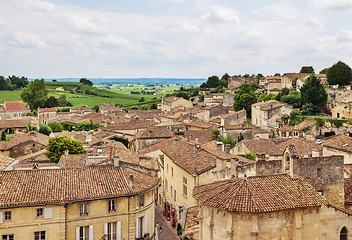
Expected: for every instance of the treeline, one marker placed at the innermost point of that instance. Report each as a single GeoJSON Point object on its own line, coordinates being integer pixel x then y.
{"type": "Point", "coordinates": [13, 82]}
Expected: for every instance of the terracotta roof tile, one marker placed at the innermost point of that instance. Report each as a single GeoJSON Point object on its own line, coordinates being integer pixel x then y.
{"type": "Point", "coordinates": [259, 194]}
{"type": "Point", "coordinates": [23, 188]}
{"type": "Point", "coordinates": [154, 132]}
{"type": "Point", "coordinates": [30, 136]}
{"type": "Point", "coordinates": [262, 146]}
{"type": "Point", "coordinates": [340, 142]}
{"type": "Point", "coordinates": [21, 123]}
{"type": "Point", "coordinates": [192, 222]}
{"type": "Point", "coordinates": [43, 110]}
{"type": "Point", "coordinates": [302, 146]}
{"type": "Point", "coordinates": [15, 106]}
{"type": "Point", "coordinates": [5, 161]}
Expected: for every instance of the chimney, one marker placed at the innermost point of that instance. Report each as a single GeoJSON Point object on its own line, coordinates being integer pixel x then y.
{"type": "Point", "coordinates": [197, 148]}
{"type": "Point", "coordinates": [66, 152]}
{"type": "Point", "coordinates": [227, 148]}
{"type": "Point", "coordinates": [219, 146]}
{"type": "Point", "coordinates": [131, 182]}
{"type": "Point", "coordinates": [116, 161]}
{"type": "Point", "coordinates": [176, 141]}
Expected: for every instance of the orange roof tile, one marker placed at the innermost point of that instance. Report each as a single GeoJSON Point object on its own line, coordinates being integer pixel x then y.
{"type": "Point", "coordinates": [15, 106]}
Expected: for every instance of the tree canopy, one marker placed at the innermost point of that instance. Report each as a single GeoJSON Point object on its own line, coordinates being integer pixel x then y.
{"type": "Point", "coordinates": [245, 97]}
{"type": "Point", "coordinates": [339, 73]}
{"type": "Point", "coordinates": [307, 69]}
{"type": "Point", "coordinates": [35, 94]}
{"type": "Point", "coordinates": [314, 92]}
{"type": "Point", "coordinates": [58, 145]}
{"type": "Point", "coordinates": [85, 81]}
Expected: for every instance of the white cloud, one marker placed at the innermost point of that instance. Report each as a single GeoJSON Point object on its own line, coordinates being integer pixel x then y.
{"type": "Point", "coordinates": [312, 23]}
{"type": "Point", "coordinates": [29, 40]}
{"type": "Point", "coordinates": [339, 5]}
{"type": "Point", "coordinates": [36, 5]}
{"type": "Point", "coordinates": [344, 36]}
{"type": "Point", "coordinates": [220, 14]}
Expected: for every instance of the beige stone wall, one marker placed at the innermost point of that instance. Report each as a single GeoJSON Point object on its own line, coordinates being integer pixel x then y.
{"type": "Point", "coordinates": [323, 223]}
{"type": "Point", "coordinates": [333, 152]}
{"type": "Point", "coordinates": [24, 222]}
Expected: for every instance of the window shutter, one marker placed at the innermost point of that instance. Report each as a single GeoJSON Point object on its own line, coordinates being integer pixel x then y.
{"type": "Point", "coordinates": [1, 221]}
{"type": "Point", "coordinates": [105, 228]}
{"type": "Point", "coordinates": [90, 232]}
{"type": "Point", "coordinates": [137, 227]}
{"type": "Point", "coordinates": [48, 212]}
{"type": "Point", "coordinates": [77, 233]}
{"type": "Point", "coordinates": [118, 231]}
{"type": "Point", "coordinates": [145, 224]}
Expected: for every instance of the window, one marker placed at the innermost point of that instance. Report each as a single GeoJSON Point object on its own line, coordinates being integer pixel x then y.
{"type": "Point", "coordinates": [185, 186]}
{"type": "Point", "coordinates": [8, 216]}
{"type": "Point", "coordinates": [174, 195]}
{"type": "Point", "coordinates": [141, 227]}
{"type": "Point", "coordinates": [40, 212]}
{"type": "Point", "coordinates": [83, 209]}
{"type": "Point", "coordinates": [172, 172]}
{"type": "Point", "coordinates": [343, 233]}
{"type": "Point", "coordinates": [84, 233]}
{"type": "Point", "coordinates": [8, 237]}
{"type": "Point", "coordinates": [112, 231]}
{"type": "Point", "coordinates": [141, 200]}
{"type": "Point", "coordinates": [112, 206]}
{"type": "Point", "coordinates": [166, 185]}
{"type": "Point", "coordinates": [318, 172]}
{"type": "Point", "coordinates": [39, 235]}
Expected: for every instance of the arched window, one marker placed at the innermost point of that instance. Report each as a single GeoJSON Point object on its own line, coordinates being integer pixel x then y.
{"type": "Point", "coordinates": [343, 234]}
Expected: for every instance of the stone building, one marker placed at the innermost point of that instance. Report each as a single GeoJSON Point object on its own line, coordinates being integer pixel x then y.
{"type": "Point", "coordinates": [268, 115]}
{"type": "Point", "coordinates": [14, 109]}
{"type": "Point", "coordinates": [268, 207]}
{"type": "Point", "coordinates": [104, 202]}
{"type": "Point", "coordinates": [46, 114]}
{"type": "Point", "coordinates": [209, 112]}
{"type": "Point", "coordinates": [339, 145]}
{"type": "Point", "coordinates": [172, 102]}
{"type": "Point", "coordinates": [150, 136]}
{"type": "Point", "coordinates": [260, 147]}
{"type": "Point", "coordinates": [233, 118]}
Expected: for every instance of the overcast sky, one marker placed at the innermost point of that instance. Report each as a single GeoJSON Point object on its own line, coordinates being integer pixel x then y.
{"type": "Point", "coordinates": [171, 38]}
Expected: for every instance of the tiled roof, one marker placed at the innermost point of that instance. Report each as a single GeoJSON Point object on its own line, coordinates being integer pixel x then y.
{"type": "Point", "coordinates": [23, 188]}
{"type": "Point", "coordinates": [268, 105]}
{"type": "Point", "coordinates": [131, 125]}
{"type": "Point", "coordinates": [5, 161]}
{"type": "Point", "coordinates": [43, 110]}
{"type": "Point", "coordinates": [185, 154]}
{"type": "Point", "coordinates": [292, 76]}
{"type": "Point", "coordinates": [14, 123]}
{"type": "Point", "coordinates": [73, 160]}
{"type": "Point", "coordinates": [199, 124]}
{"type": "Point", "coordinates": [172, 99]}
{"type": "Point", "coordinates": [259, 194]}
{"type": "Point", "coordinates": [306, 123]}
{"type": "Point", "coordinates": [30, 136]}
{"type": "Point", "coordinates": [192, 222]}
{"type": "Point", "coordinates": [262, 146]}
{"type": "Point", "coordinates": [340, 142]}
{"type": "Point", "coordinates": [154, 132]}
{"type": "Point", "coordinates": [95, 116]}
{"type": "Point", "coordinates": [201, 136]}
{"type": "Point", "coordinates": [15, 106]}
{"type": "Point", "coordinates": [303, 146]}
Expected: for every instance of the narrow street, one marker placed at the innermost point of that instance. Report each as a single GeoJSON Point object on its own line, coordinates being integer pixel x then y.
{"type": "Point", "coordinates": [168, 233]}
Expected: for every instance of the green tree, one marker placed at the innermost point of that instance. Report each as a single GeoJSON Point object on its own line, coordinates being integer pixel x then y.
{"type": "Point", "coordinates": [142, 99]}
{"type": "Point", "coordinates": [245, 97]}
{"type": "Point", "coordinates": [314, 92]}
{"type": "Point", "coordinates": [154, 106]}
{"type": "Point", "coordinates": [96, 108]}
{"type": "Point", "coordinates": [213, 82]}
{"type": "Point", "coordinates": [51, 102]}
{"type": "Point", "coordinates": [228, 140]}
{"type": "Point", "coordinates": [292, 99]}
{"type": "Point", "coordinates": [56, 126]}
{"type": "Point", "coordinates": [284, 91]}
{"type": "Point", "coordinates": [3, 136]}
{"type": "Point", "coordinates": [5, 84]}
{"type": "Point", "coordinates": [215, 134]}
{"type": "Point", "coordinates": [249, 155]}
{"type": "Point", "coordinates": [18, 82]}
{"type": "Point", "coordinates": [58, 145]}
{"type": "Point", "coordinates": [44, 129]}
{"type": "Point", "coordinates": [35, 94]}
{"type": "Point", "coordinates": [85, 81]}
{"type": "Point", "coordinates": [339, 73]}
{"type": "Point", "coordinates": [224, 80]}
{"type": "Point", "coordinates": [266, 97]}
{"type": "Point", "coordinates": [324, 71]}
{"type": "Point", "coordinates": [307, 69]}
{"type": "Point", "coordinates": [62, 101]}
{"type": "Point", "coordinates": [183, 95]}
{"type": "Point", "coordinates": [240, 138]}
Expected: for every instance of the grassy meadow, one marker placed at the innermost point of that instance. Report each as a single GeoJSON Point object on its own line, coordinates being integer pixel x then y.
{"type": "Point", "coordinates": [81, 95]}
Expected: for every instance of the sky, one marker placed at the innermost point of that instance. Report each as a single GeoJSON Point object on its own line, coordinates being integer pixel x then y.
{"type": "Point", "coordinates": [171, 38]}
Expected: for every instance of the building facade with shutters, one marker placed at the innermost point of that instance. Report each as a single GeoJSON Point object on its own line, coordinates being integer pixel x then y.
{"type": "Point", "coordinates": [82, 203]}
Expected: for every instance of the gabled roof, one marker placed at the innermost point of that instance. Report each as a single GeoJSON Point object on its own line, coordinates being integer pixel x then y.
{"type": "Point", "coordinates": [21, 123]}
{"type": "Point", "coordinates": [15, 106]}
{"type": "Point", "coordinates": [172, 99]}
{"type": "Point", "coordinates": [259, 194]}
{"type": "Point", "coordinates": [339, 142]}
{"type": "Point", "coordinates": [302, 146]}
{"type": "Point", "coordinates": [262, 146]}
{"type": "Point", "coordinates": [154, 132]}
{"type": "Point", "coordinates": [36, 187]}
{"type": "Point", "coordinates": [30, 136]}
{"type": "Point", "coordinates": [46, 110]}
{"type": "Point", "coordinates": [268, 105]}
{"type": "Point", "coordinates": [5, 161]}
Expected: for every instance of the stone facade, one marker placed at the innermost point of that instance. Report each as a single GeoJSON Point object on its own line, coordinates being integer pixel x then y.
{"type": "Point", "coordinates": [320, 223]}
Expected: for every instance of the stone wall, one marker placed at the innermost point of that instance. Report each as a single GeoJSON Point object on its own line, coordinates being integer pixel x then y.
{"type": "Point", "coordinates": [268, 167]}
{"type": "Point", "coordinates": [325, 174]}
{"type": "Point", "coordinates": [26, 148]}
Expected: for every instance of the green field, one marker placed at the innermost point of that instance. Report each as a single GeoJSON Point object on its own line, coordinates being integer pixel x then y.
{"type": "Point", "coordinates": [81, 95]}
